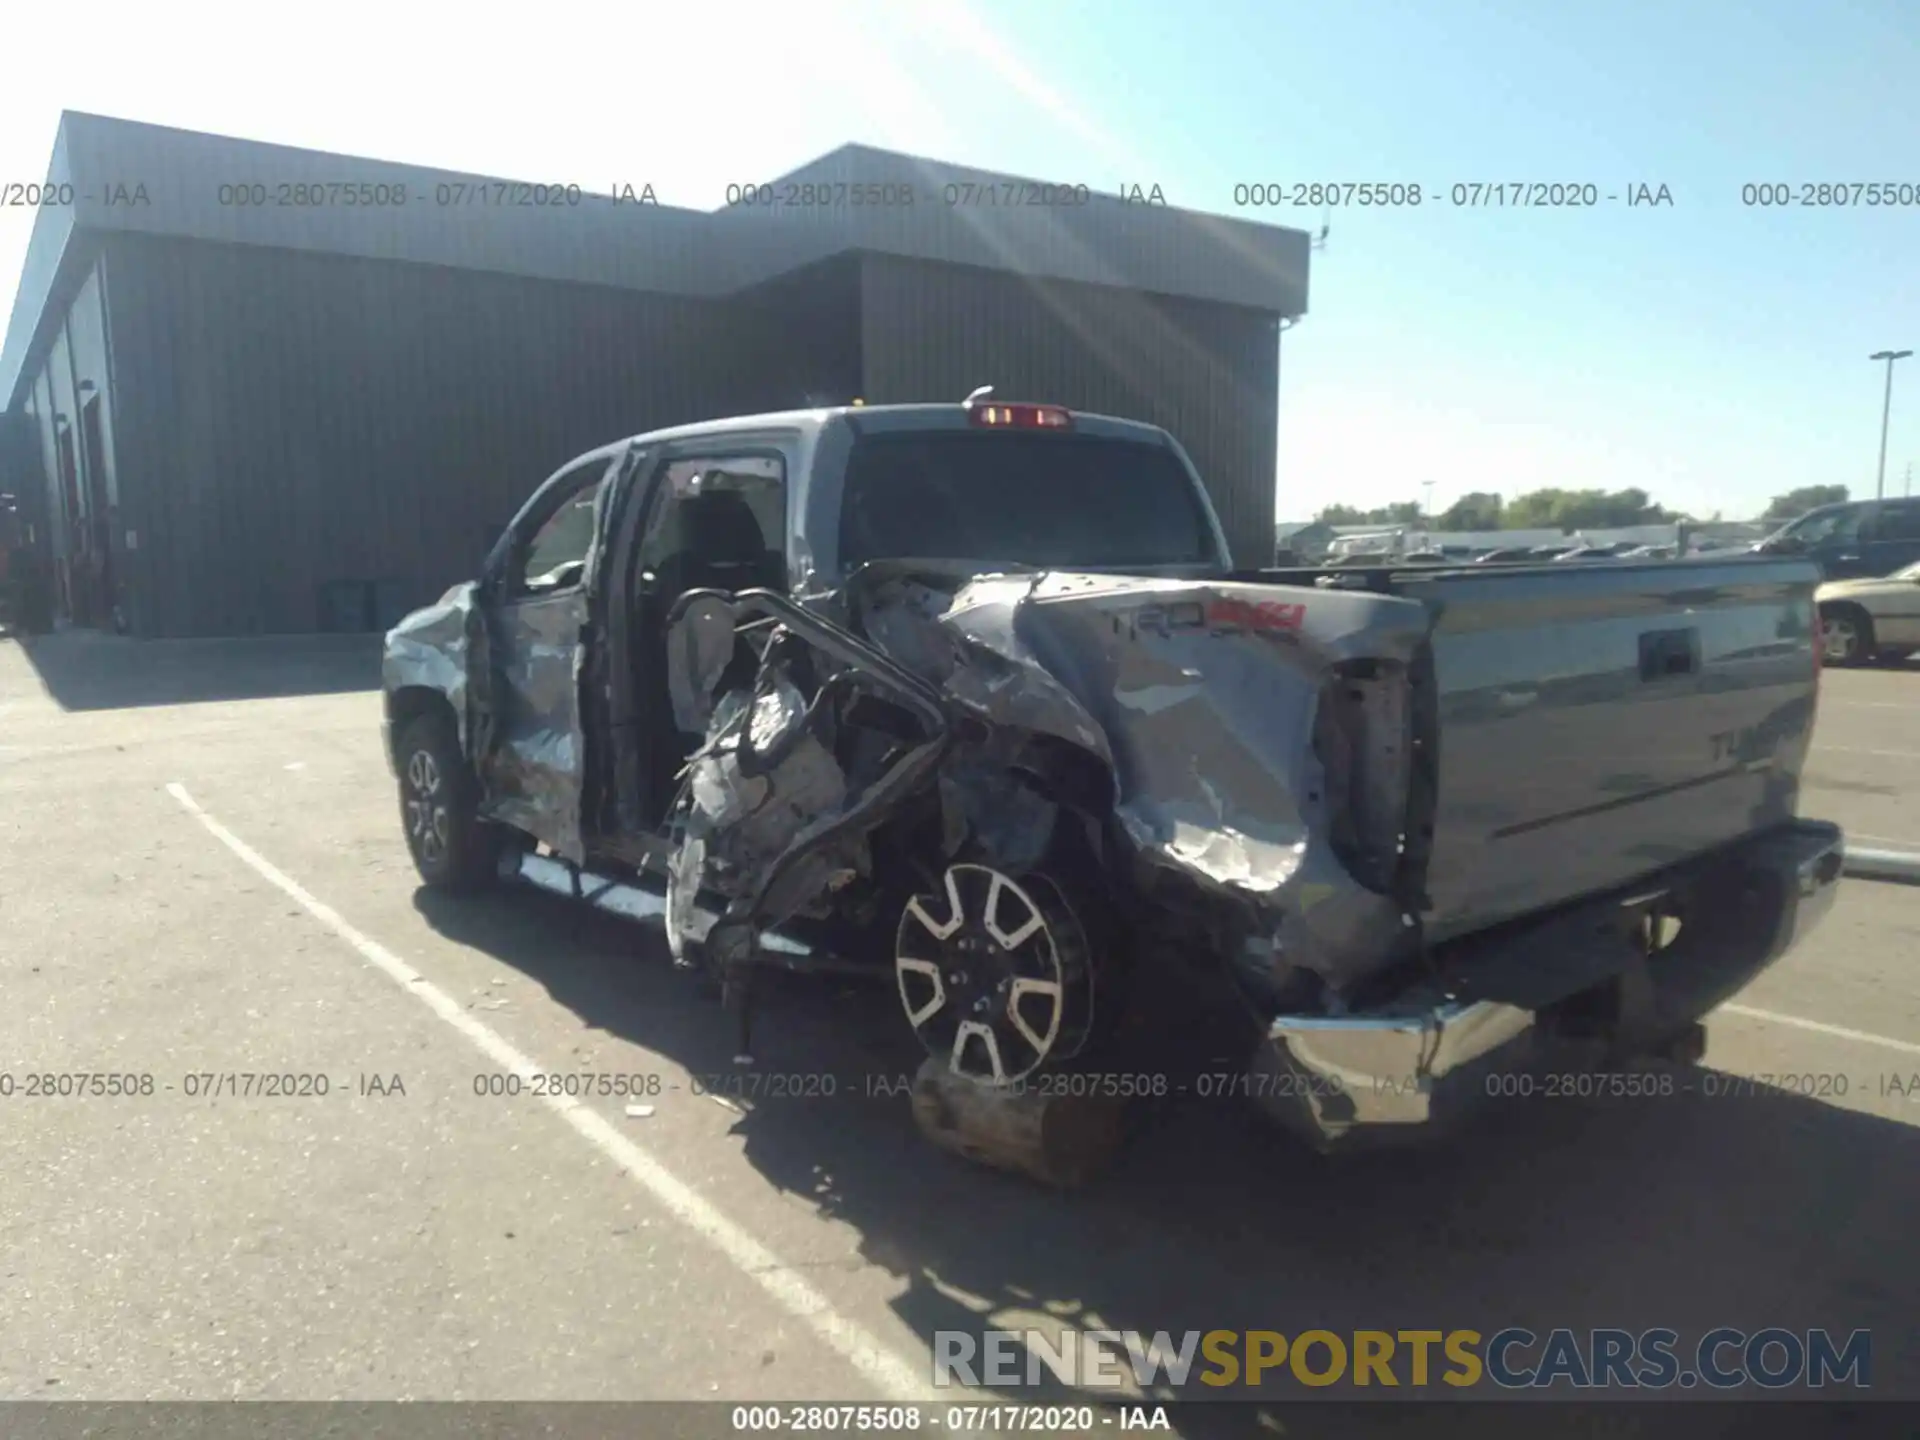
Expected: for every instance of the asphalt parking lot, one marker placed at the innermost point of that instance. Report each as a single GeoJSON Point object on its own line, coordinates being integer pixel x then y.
{"type": "Point", "coordinates": [202, 873]}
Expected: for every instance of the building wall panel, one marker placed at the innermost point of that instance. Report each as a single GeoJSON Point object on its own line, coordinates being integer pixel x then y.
{"type": "Point", "coordinates": [794, 342]}
{"type": "Point", "coordinates": [43, 413]}
{"type": "Point", "coordinates": [22, 473]}
{"type": "Point", "coordinates": [61, 403]}
{"type": "Point", "coordinates": [150, 179]}
{"type": "Point", "coordinates": [304, 419]}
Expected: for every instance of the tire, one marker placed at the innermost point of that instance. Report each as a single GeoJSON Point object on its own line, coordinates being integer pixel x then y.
{"type": "Point", "coordinates": [1074, 954]}
{"type": "Point", "coordinates": [452, 847]}
{"type": "Point", "coordinates": [1846, 635]}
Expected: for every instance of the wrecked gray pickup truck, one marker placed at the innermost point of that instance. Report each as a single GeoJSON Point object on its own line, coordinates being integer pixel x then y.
{"type": "Point", "coordinates": [969, 697]}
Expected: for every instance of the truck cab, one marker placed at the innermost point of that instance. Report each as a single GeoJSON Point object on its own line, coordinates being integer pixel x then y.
{"type": "Point", "coordinates": [1856, 540]}
{"type": "Point", "coordinates": [591, 568]}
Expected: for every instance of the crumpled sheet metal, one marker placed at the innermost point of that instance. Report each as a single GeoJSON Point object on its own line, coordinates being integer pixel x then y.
{"type": "Point", "coordinates": [981, 800]}
{"type": "Point", "coordinates": [753, 817]}
{"type": "Point", "coordinates": [536, 745]}
{"type": "Point", "coordinates": [747, 820]}
{"type": "Point", "coordinates": [538, 751]}
{"type": "Point", "coordinates": [1201, 696]}
{"type": "Point", "coordinates": [429, 648]}
{"type": "Point", "coordinates": [928, 631]}
{"type": "Point", "coordinates": [540, 771]}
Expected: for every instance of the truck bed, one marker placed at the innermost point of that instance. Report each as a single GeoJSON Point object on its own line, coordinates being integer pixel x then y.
{"type": "Point", "coordinates": [1598, 723]}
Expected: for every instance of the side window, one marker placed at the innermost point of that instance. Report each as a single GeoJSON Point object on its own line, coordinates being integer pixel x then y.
{"type": "Point", "coordinates": [719, 522]}
{"type": "Point", "coordinates": [1898, 522]}
{"type": "Point", "coordinates": [556, 557]}
{"type": "Point", "coordinates": [1861, 528]}
{"type": "Point", "coordinates": [1838, 527]}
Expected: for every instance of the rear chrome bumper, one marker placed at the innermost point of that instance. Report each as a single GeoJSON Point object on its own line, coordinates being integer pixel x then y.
{"type": "Point", "coordinates": [1427, 1057]}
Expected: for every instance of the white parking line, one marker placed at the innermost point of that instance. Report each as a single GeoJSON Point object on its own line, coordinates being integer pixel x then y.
{"type": "Point", "coordinates": [1905, 1047]}
{"type": "Point", "coordinates": [867, 1353]}
{"type": "Point", "coordinates": [1820, 750]}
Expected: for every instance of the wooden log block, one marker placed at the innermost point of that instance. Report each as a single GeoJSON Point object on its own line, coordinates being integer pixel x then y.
{"type": "Point", "coordinates": [1060, 1140]}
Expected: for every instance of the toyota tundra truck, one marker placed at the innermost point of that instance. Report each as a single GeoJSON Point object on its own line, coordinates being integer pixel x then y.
{"type": "Point", "coordinates": [971, 699]}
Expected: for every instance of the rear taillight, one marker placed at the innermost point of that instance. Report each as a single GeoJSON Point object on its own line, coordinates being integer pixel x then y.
{"type": "Point", "coordinates": [1021, 417]}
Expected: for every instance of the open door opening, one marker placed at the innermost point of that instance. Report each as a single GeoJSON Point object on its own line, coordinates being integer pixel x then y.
{"type": "Point", "coordinates": [714, 522]}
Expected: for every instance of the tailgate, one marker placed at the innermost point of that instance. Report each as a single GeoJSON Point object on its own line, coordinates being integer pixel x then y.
{"type": "Point", "coordinates": [1599, 722]}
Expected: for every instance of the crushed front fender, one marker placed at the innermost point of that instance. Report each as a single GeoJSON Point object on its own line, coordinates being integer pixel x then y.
{"type": "Point", "coordinates": [430, 649]}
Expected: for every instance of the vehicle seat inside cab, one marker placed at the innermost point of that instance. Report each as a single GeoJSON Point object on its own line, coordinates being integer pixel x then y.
{"type": "Point", "coordinates": [714, 541]}
{"type": "Point", "coordinates": [721, 548]}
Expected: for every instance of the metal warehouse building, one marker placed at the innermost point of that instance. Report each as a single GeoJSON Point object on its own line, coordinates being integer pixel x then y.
{"type": "Point", "coordinates": [230, 412]}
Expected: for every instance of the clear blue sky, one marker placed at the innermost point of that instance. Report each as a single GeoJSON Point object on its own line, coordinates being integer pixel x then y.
{"type": "Point", "coordinates": [1710, 353]}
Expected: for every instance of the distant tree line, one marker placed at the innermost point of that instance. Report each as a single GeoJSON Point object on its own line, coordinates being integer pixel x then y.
{"type": "Point", "coordinates": [1807, 497]}
{"type": "Point", "coordinates": [1563, 509]}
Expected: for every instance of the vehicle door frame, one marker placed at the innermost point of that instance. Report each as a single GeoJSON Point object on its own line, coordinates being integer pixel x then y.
{"type": "Point", "coordinates": [633, 737]}
{"type": "Point", "coordinates": [546, 801]}
{"type": "Point", "coordinates": [1848, 559]}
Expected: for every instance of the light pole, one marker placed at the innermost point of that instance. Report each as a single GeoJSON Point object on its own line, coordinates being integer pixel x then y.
{"type": "Point", "coordinates": [1886, 409]}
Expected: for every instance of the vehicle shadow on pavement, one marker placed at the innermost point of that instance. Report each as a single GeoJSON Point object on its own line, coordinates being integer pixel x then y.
{"type": "Point", "coordinates": [93, 670]}
{"type": "Point", "coordinates": [1683, 1212]}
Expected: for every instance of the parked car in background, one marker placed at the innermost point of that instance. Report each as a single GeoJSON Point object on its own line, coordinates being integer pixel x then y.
{"type": "Point", "coordinates": [1362, 557]}
{"type": "Point", "coordinates": [1649, 552]}
{"type": "Point", "coordinates": [1587, 552]}
{"type": "Point", "coordinates": [1855, 540]}
{"type": "Point", "coordinates": [1864, 620]}
{"type": "Point", "coordinates": [1509, 556]}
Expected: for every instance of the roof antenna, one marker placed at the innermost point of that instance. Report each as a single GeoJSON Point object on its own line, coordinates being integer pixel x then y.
{"type": "Point", "coordinates": [977, 396]}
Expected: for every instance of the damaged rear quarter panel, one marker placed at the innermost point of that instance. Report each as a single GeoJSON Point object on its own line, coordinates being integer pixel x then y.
{"type": "Point", "coordinates": [1202, 697]}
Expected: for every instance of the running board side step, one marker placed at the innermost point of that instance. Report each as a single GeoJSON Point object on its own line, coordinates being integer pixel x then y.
{"type": "Point", "coordinates": [632, 901]}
